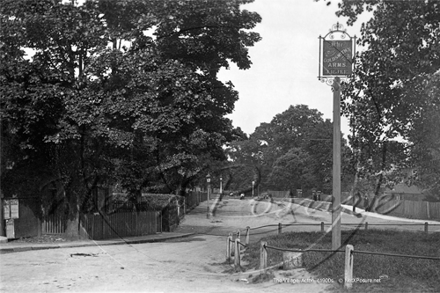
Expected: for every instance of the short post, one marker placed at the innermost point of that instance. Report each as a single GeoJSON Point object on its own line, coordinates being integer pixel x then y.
{"type": "Point", "coordinates": [426, 227]}
{"type": "Point", "coordinates": [348, 272]}
{"type": "Point", "coordinates": [280, 228]}
{"type": "Point", "coordinates": [178, 207]}
{"type": "Point", "coordinates": [322, 227]}
{"type": "Point", "coordinates": [208, 180]}
{"type": "Point", "coordinates": [366, 225]}
{"type": "Point", "coordinates": [237, 254]}
{"type": "Point", "coordinates": [228, 247]}
{"type": "Point", "coordinates": [247, 235]}
{"type": "Point", "coordinates": [231, 244]}
{"type": "Point", "coordinates": [263, 255]}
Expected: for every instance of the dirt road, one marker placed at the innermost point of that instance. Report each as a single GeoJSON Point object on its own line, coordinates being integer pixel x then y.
{"type": "Point", "coordinates": [195, 264]}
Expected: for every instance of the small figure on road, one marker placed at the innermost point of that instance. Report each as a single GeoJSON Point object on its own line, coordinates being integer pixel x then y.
{"type": "Point", "coordinates": [242, 196]}
{"type": "Point", "coordinates": [366, 203]}
{"type": "Point", "coordinates": [269, 195]}
{"type": "Point", "coordinates": [356, 199]}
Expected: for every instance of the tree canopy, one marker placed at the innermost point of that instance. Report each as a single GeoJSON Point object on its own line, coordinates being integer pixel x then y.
{"type": "Point", "coordinates": [293, 151]}
{"type": "Point", "coordinates": [393, 97]}
{"type": "Point", "coordinates": [117, 91]}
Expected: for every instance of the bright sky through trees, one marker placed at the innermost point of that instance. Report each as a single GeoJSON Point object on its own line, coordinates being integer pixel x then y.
{"type": "Point", "coordinates": [285, 62]}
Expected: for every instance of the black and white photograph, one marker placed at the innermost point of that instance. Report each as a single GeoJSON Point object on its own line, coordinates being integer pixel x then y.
{"type": "Point", "coordinates": [220, 146]}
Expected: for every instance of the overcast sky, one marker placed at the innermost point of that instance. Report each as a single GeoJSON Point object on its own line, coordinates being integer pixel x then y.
{"type": "Point", "coordinates": [285, 62]}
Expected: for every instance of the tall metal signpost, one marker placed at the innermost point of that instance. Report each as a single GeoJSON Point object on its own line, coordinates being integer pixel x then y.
{"type": "Point", "coordinates": [336, 51]}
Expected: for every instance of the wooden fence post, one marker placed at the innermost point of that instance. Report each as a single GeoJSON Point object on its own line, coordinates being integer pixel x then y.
{"type": "Point", "coordinates": [348, 272]}
{"type": "Point", "coordinates": [280, 228]}
{"type": "Point", "coordinates": [231, 244]}
{"type": "Point", "coordinates": [93, 226]}
{"type": "Point", "coordinates": [247, 235]}
{"type": "Point", "coordinates": [237, 254]}
{"type": "Point", "coordinates": [263, 255]}
{"type": "Point", "coordinates": [228, 247]}
{"type": "Point", "coordinates": [161, 222]}
{"type": "Point", "coordinates": [322, 227]}
{"type": "Point", "coordinates": [366, 225]}
{"type": "Point", "coordinates": [426, 227]}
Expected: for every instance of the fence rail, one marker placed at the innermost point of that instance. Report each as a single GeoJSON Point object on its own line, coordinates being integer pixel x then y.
{"type": "Point", "coordinates": [349, 251]}
{"type": "Point", "coordinates": [233, 244]}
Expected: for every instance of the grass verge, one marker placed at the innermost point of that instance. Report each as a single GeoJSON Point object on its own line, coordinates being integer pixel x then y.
{"type": "Point", "coordinates": [396, 274]}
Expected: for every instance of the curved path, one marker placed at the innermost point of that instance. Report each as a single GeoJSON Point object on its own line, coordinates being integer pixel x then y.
{"type": "Point", "coordinates": [195, 264]}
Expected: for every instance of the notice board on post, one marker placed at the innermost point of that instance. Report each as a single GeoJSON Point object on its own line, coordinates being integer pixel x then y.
{"type": "Point", "coordinates": [11, 209]}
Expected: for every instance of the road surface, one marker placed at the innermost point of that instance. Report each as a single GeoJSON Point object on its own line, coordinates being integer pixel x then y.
{"type": "Point", "coordinates": [195, 264]}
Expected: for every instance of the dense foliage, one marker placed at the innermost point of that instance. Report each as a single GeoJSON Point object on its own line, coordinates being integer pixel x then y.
{"type": "Point", "coordinates": [293, 151]}
{"type": "Point", "coordinates": [393, 98]}
{"type": "Point", "coordinates": [107, 92]}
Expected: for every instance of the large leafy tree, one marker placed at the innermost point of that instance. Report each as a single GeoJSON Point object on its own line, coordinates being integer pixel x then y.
{"type": "Point", "coordinates": [293, 151]}
{"type": "Point", "coordinates": [244, 164]}
{"type": "Point", "coordinates": [292, 170]}
{"type": "Point", "coordinates": [117, 91]}
{"type": "Point", "coordinates": [392, 98]}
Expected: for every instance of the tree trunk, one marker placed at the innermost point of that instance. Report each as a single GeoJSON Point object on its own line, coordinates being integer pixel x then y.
{"type": "Point", "coordinates": [381, 177]}
{"type": "Point", "coordinates": [256, 178]}
{"type": "Point", "coordinates": [73, 226]}
{"type": "Point", "coordinates": [75, 192]}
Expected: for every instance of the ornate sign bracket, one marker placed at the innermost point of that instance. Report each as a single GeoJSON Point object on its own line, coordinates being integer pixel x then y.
{"type": "Point", "coordinates": [336, 51]}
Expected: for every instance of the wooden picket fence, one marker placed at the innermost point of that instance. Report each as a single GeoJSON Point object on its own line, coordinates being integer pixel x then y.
{"type": "Point", "coordinates": [411, 209]}
{"type": "Point", "coordinates": [54, 224]}
{"type": "Point", "coordinates": [124, 224]}
{"type": "Point", "coordinates": [193, 199]}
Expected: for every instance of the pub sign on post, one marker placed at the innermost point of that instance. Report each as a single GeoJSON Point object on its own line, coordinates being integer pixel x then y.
{"type": "Point", "coordinates": [337, 58]}
{"type": "Point", "coordinates": [336, 51]}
